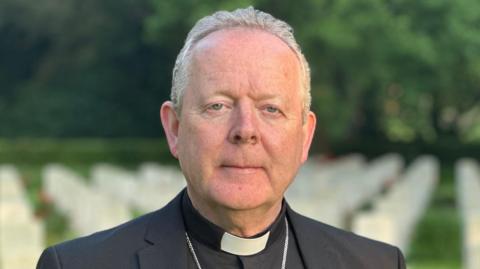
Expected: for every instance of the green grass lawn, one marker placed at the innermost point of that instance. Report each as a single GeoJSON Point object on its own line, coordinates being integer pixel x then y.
{"type": "Point", "coordinates": [437, 241]}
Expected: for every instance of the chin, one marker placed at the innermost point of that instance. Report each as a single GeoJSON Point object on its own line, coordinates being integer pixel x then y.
{"type": "Point", "coordinates": [241, 198]}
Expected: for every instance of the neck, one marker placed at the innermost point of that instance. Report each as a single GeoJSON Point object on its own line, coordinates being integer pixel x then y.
{"type": "Point", "coordinates": [239, 222]}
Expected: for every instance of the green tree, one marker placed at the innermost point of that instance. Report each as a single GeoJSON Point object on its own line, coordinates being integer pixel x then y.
{"type": "Point", "coordinates": [398, 70]}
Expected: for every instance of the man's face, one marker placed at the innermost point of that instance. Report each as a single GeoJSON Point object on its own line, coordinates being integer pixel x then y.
{"type": "Point", "coordinates": [240, 137]}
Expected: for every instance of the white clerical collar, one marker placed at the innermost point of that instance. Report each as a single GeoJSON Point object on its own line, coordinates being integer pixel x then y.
{"type": "Point", "coordinates": [243, 246]}
{"type": "Point", "coordinates": [216, 238]}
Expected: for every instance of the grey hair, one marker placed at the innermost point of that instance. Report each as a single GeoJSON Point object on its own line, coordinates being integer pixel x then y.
{"type": "Point", "coordinates": [248, 18]}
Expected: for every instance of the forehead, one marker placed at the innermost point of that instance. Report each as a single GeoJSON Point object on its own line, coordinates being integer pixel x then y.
{"type": "Point", "coordinates": [243, 55]}
{"type": "Point", "coordinates": [242, 39]}
{"type": "Point", "coordinates": [239, 43]}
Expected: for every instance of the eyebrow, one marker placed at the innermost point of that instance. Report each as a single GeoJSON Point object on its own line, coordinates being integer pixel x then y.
{"type": "Point", "coordinates": [256, 96]}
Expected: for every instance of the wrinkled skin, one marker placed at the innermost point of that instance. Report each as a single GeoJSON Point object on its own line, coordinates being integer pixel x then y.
{"type": "Point", "coordinates": [240, 137]}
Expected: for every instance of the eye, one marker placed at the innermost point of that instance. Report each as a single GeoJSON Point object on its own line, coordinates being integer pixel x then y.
{"type": "Point", "coordinates": [216, 106]}
{"type": "Point", "coordinates": [271, 109]}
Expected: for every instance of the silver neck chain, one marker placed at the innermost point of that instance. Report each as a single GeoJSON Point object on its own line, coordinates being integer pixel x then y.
{"type": "Point", "coordinates": [285, 248]}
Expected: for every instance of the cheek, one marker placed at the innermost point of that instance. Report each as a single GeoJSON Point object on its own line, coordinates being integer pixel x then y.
{"type": "Point", "coordinates": [198, 142]}
{"type": "Point", "coordinates": [284, 149]}
{"type": "Point", "coordinates": [186, 146]}
{"type": "Point", "coordinates": [284, 143]}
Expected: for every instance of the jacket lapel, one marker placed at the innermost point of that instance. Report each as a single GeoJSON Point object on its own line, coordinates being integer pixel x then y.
{"type": "Point", "coordinates": [313, 244]}
{"type": "Point", "coordinates": [166, 234]}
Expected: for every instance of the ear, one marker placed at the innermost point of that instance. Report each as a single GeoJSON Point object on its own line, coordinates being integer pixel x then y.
{"type": "Point", "coordinates": [308, 131]}
{"type": "Point", "coordinates": [170, 123]}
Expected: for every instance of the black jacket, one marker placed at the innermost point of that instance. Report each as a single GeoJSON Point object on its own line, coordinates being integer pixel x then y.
{"type": "Point", "coordinates": [157, 240]}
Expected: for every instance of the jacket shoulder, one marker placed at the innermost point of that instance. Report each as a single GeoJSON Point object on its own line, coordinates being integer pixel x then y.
{"type": "Point", "coordinates": [92, 250]}
{"type": "Point", "coordinates": [346, 249]}
{"type": "Point", "coordinates": [116, 247]}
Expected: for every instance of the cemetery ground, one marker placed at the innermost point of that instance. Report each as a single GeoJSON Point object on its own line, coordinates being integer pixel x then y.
{"type": "Point", "coordinates": [437, 239]}
{"type": "Point", "coordinates": [56, 224]}
{"type": "Point", "coordinates": [57, 227]}
{"type": "Point", "coordinates": [436, 242]}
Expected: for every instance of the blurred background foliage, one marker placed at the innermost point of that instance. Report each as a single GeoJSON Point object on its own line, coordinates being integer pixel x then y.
{"type": "Point", "coordinates": [384, 72]}
{"type": "Point", "coordinates": [82, 82]}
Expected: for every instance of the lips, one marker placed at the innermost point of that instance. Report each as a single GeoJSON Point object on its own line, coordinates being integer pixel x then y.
{"type": "Point", "coordinates": [241, 169]}
{"type": "Point", "coordinates": [242, 166]}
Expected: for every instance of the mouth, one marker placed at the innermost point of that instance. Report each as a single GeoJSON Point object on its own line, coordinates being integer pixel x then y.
{"type": "Point", "coordinates": [242, 169]}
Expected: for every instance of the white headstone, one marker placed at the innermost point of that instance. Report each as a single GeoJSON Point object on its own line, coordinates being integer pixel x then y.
{"type": "Point", "coordinates": [21, 234]}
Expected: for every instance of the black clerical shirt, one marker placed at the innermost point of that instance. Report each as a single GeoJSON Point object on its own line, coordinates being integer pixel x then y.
{"type": "Point", "coordinates": [206, 237]}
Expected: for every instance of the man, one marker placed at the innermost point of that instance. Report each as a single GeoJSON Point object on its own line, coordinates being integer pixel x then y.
{"type": "Point", "coordinates": [240, 124]}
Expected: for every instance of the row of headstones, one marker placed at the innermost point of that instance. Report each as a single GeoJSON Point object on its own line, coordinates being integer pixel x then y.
{"type": "Point", "coordinates": [340, 187]}
{"type": "Point", "coordinates": [394, 215]}
{"type": "Point", "coordinates": [111, 195]}
{"type": "Point", "coordinates": [331, 191]}
{"type": "Point", "coordinates": [467, 174]}
{"type": "Point", "coordinates": [21, 234]}
{"type": "Point", "coordinates": [147, 189]}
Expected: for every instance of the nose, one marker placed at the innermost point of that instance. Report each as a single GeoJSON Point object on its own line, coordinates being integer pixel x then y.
{"type": "Point", "coordinates": [244, 126]}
